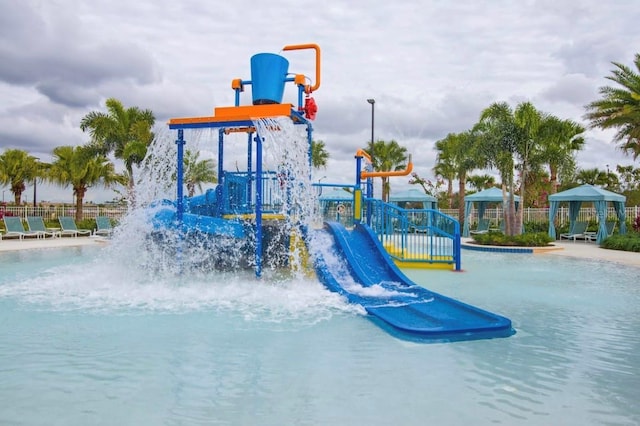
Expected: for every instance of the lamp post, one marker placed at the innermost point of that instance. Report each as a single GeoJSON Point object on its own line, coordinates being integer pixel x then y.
{"type": "Point", "coordinates": [372, 102]}
{"type": "Point", "coordinates": [35, 184]}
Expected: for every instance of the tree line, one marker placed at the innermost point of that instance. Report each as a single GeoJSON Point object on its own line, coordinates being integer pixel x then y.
{"type": "Point", "coordinates": [534, 153]}
{"type": "Point", "coordinates": [124, 132]}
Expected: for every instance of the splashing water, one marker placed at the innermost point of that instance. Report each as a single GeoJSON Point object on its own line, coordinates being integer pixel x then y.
{"type": "Point", "coordinates": [132, 273]}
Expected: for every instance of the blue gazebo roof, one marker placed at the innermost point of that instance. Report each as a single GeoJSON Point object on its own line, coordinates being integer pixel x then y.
{"type": "Point", "coordinates": [411, 195]}
{"type": "Point", "coordinates": [336, 194]}
{"type": "Point", "coordinates": [491, 195]}
{"type": "Point", "coordinates": [587, 192]}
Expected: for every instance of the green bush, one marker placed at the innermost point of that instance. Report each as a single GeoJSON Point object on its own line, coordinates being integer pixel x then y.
{"type": "Point", "coordinates": [627, 242]}
{"type": "Point", "coordinates": [496, 238]}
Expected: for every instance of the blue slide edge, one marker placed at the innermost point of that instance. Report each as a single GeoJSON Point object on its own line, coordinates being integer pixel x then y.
{"type": "Point", "coordinates": [410, 311]}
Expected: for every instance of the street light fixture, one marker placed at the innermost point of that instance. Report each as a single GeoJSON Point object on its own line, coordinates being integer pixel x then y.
{"type": "Point", "coordinates": [35, 184]}
{"type": "Point", "coordinates": [372, 102]}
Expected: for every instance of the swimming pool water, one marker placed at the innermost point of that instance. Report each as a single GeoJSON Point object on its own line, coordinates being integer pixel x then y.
{"type": "Point", "coordinates": [88, 340]}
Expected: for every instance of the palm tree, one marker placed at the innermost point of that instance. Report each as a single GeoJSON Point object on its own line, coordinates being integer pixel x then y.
{"type": "Point", "coordinates": [480, 182]}
{"type": "Point", "coordinates": [81, 167]}
{"type": "Point", "coordinates": [197, 172]}
{"type": "Point", "coordinates": [447, 172]}
{"type": "Point", "coordinates": [319, 155]}
{"type": "Point", "coordinates": [124, 131]}
{"type": "Point", "coordinates": [388, 156]}
{"type": "Point", "coordinates": [16, 168]}
{"type": "Point", "coordinates": [460, 152]}
{"type": "Point", "coordinates": [591, 176]}
{"type": "Point", "coordinates": [499, 139]}
{"type": "Point", "coordinates": [559, 142]}
{"type": "Point", "coordinates": [619, 107]}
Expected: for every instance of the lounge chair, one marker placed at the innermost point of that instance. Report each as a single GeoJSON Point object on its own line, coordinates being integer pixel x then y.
{"type": "Point", "coordinates": [611, 225]}
{"type": "Point", "coordinates": [593, 236]}
{"type": "Point", "coordinates": [14, 227]}
{"type": "Point", "coordinates": [103, 226]}
{"type": "Point", "coordinates": [36, 224]}
{"type": "Point", "coordinates": [69, 227]}
{"type": "Point", "coordinates": [578, 231]}
{"type": "Point", "coordinates": [482, 228]}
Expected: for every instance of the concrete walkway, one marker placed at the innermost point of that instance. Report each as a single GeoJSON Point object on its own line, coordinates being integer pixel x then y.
{"type": "Point", "coordinates": [13, 244]}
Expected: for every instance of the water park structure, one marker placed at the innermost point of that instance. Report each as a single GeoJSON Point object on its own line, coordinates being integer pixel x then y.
{"type": "Point", "coordinates": [257, 217]}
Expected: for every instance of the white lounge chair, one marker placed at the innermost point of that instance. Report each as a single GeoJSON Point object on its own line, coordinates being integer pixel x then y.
{"type": "Point", "coordinates": [14, 227]}
{"type": "Point", "coordinates": [69, 227]}
{"type": "Point", "coordinates": [36, 224]}
{"type": "Point", "coordinates": [578, 231]}
{"type": "Point", "coordinates": [482, 228]}
{"type": "Point", "coordinates": [103, 226]}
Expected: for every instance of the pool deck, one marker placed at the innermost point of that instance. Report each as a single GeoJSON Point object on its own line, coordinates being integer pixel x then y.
{"type": "Point", "coordinates": [578, 249]}
{"type": "Point", "coordinates": [15, 244]}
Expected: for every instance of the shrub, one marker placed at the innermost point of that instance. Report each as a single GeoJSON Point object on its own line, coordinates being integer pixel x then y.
{"type": "Point", "coordinates": [628, 242]}
{"type": "Point", "coordinates": [494, 238]}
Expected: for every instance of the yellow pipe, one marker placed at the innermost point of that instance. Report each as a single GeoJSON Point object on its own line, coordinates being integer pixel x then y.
{"type": "Point", "coordinates": [317, 49]}
{"type": "Point", "coordinates": [404, 172]}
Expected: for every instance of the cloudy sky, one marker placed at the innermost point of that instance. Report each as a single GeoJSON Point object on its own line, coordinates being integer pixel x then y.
{"type": "Point", "coordinates": [431, 66]}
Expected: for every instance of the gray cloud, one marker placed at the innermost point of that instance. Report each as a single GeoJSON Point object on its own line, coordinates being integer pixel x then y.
{"type": "Point", "coordinates": [431, 66]}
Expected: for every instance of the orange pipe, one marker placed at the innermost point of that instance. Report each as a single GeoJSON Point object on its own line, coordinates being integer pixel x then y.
{"type": "Point", "coordinates": [404, 172]}
{"type": "Point", "coordinates": [317, 49]}
{"type": "Point", "coordinates": [363, 153]}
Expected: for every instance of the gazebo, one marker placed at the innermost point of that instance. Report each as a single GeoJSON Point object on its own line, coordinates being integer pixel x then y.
{"type": "Point", "coordinates": [482, 199]}
{"type": "Point", "coordinates": [412, 197]}
{"type": "Point", "coordinates": [588, 193]}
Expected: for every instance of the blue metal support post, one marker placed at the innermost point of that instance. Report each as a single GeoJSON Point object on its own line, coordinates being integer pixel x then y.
{"type": "Point", "coordinates": [258, 253]}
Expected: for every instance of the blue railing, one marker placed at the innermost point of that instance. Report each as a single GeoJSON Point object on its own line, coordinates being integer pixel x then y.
{"type": "Point", "coordinates": [239, 192]}
{"type": "Point", "coordinates": [416, 236]}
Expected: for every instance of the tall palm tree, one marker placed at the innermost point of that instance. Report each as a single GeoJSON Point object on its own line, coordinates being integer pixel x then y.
{"type": "Point", "coordinates": [17, 168]}
{"type": "Point", "coordinates": [388, 156]}
{"type": "Point", "coordinates": [499, 141]}
{"type": "Point", "coordinates": [82, 168]}
{"type": "Point", "coordinates": [619, 107]}
{"type": "Point", "coordinates": [124, 131]}
{"type": "Point", "coordinates": [528, 120]}
{"type": "Point", "coordinates": [559, 142]}
{"type": "Point", "coordinates": [447, 172]}
{"type": "Point", "coordinates": [197, 172]}
{"type": "Point", "coordinates": [460, 152]}
{"type": "Point", "coordinates": [319, 154]}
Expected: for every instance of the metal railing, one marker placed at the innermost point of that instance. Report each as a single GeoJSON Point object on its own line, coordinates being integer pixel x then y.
{"type": "Point", "coordinates": [52, 212]}
{"type": "Point", "coordinates": [415, 236]}
{"type": "Point", "coordinates": [541, 215]}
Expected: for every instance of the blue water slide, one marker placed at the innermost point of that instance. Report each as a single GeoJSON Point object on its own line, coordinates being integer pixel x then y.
{"type": "Point", "coordinates": [164, 217]}
{"type": "Point", "coordinates": [400, 306]}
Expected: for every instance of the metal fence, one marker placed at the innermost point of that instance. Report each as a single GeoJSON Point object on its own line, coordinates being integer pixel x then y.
{"type": "Point", "coordinates": [89, 211]}
{"type": "Point", "coordinates": [329, 211]}
{"type": "Point", "coordinates": [541, 215]}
